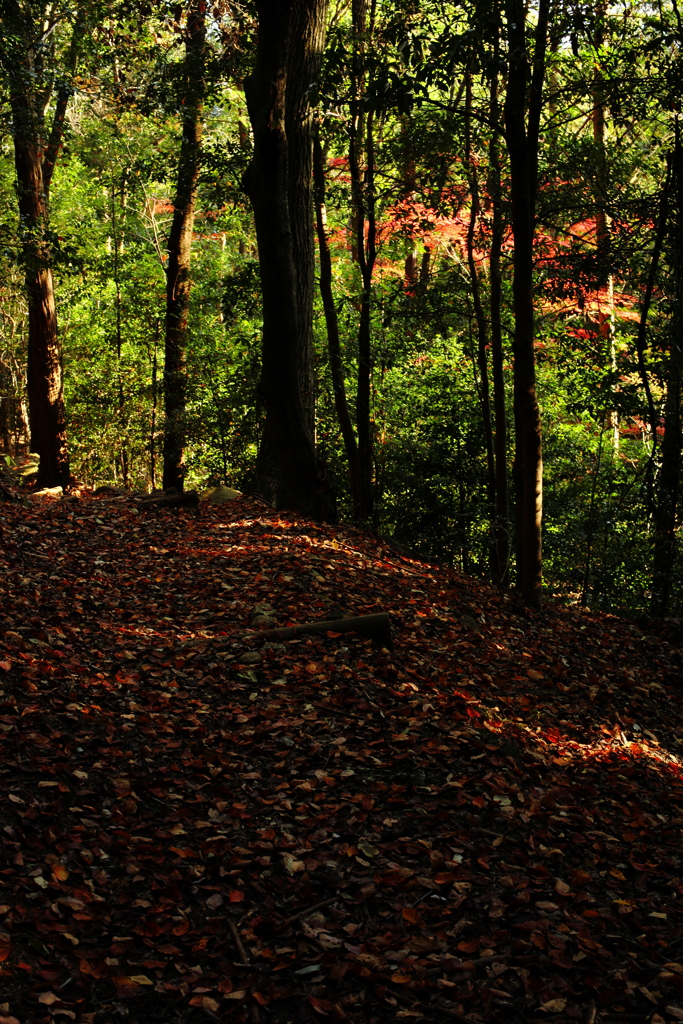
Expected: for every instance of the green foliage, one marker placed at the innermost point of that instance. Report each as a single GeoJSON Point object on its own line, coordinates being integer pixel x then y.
{"type": "Point", "coordinates": [110, 211]}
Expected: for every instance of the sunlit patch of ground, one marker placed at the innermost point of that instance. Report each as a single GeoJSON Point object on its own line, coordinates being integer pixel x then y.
{"type": "Point", "coordinates": [481, 825]}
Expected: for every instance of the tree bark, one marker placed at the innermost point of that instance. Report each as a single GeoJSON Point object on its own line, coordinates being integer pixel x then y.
{"type": "Point", "coordinates": [34, 160]}
{"type": "Point", "coordinates": [482, 326]}
{"type": "Point", "coordinates": [522, 122]}
{"type": "Point", "coordinates": [361, 151]}
{"type": "Point", "coordinates": [332, 323]}
{"type": "Point", "coordinates": [286, 471]}
{"type": "Point", "coordinates": [606, 324]}
{"type": "Point", "coordinates": [502, 524]}
{"type": "Point", "coordinates": [305, 56]}
{"type": "Point", "coordinates": [178, 281]}
{"type": "Point", "coordinates": [666, 509]}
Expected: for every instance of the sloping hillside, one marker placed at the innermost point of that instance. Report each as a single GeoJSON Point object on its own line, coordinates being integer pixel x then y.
{"type": "Point", "coordinates": [481, 825]}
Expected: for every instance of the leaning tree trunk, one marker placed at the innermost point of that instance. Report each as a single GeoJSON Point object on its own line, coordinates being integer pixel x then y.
{"type": "Point", "coordinates": [178, 281]}
{"type": "Point", "coordinates": [286, 464]}
{"type": "Point", "coordinates": [522, 142]}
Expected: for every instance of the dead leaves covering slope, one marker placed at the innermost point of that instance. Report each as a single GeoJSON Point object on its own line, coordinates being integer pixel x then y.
{"type": "Point", "coordinates": [483, 825]}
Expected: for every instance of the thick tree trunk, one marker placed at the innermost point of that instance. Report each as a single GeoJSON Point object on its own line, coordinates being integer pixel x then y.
{"type": "Point", "coordinates": [522, 143]}
{"type": "Point", "coordinates": [178, 281]}
{"type": "Point", "coordinates": [47, 418]}
{"type": "Point", "coordinates": [34, 161]}
{"type": "Point", "coordinates": [666, 509]}
{"type": "Point", "coordinates": [305, 55]}
{"type": "Point", "coordinates": [286, 472]}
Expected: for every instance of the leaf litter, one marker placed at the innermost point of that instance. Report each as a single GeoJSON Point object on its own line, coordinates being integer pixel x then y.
{"type": "Point", "coordinates": [482, 825]}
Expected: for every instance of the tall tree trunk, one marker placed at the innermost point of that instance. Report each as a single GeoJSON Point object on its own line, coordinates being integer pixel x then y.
{"type": "Point", "coordinates": [35, 155]}
{"type": "Point", "coordinates": [664, 213]}
{"type": "Point", "coordinates": [361, 151]}
{"type": "Point", "coordinates": [502, 526]}
{"type": "Point", "coordinates": [178, 281]}
{"type": "Point", "coordinates": [305, 55]}
{"type": "Point", "coordinates": [286, 471]}
{"type": "Point", "coordinates": [333, 343]}
{"type": "Point", "coordinates": [665, 546]}
{"type": "Point", "coordinates": [606, 325]}
{"type": "Point", "coordinates": [482, 326]}
{"type": "Point", "coordinates": [522, 137]}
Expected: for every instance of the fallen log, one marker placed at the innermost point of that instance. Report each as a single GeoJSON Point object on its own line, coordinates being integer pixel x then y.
{"type": "Point", "coordinates": [186, 499]}
{"type": "Point", "coordinates": [377, 627]}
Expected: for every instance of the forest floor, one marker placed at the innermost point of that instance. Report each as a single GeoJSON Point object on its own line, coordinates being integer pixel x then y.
{"type": "Point", "coordinates": [482, 825]}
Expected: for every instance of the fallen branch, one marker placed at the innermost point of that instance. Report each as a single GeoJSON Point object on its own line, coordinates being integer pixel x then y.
{"type": "Point", "coordinates": [305, 913]}
{"type": "Point", "coordinates": [377, 627]}
{"type": "Point", "coordinates": [186, 499]}
{"type": "Point", "coordinates": [241, 952]}
{"type": "Point", "coordinates": [431, 1010]}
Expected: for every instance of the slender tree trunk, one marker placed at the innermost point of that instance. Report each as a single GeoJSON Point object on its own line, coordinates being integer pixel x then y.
{"type": "Point", "coordinates": [178, 281]}
{"type": "Point", "coordinates": [606, 325]}
{"type": "Point", "coordinates": [502, 526]}
{"type": "Point", "coordinates": [286, 471]}
{"type": "Point", "coordinates": [482, 327]}
{"type": "Point", "coordinates": [641, 338]}
{"type": "Point", "coordinates": [590, 525]}
{"type": "Point", "coordinates": [361, 150]}
{"type": "Point", "coordinates": [334, 345]}
{"type": "Point", "coordinates": [153, 419]}
{"type": "Point", "coordinates": [121, 410]}
{"type": "Point", "coordinates": [522, 137]}
{"type": "Point", "coordinates": [305, 55]}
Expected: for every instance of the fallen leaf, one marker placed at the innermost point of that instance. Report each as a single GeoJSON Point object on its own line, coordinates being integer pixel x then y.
{"type": "Point", "coordinates": [48, 998]}
{"type": "Point", "coordinates": [291, 864]}
{"type": "Point", "coordinates": [320, 1005]}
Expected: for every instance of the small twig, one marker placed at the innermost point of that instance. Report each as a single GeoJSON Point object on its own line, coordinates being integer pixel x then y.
{"type": "Point", "coordinates": [436, 1008]}
{"type": "Point", "coordinates": [238, 943]}
{"type": "Point", "coordinates": [591, 1013]}
{"type": "Point", "coordinates": [305, 913]}
{"type": "Point", "coordinates": [467, 965]}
